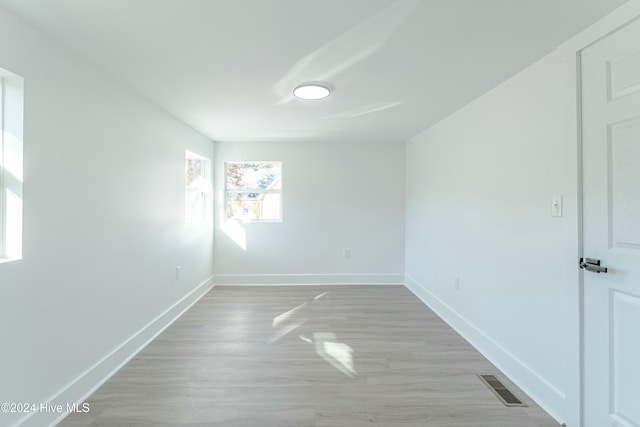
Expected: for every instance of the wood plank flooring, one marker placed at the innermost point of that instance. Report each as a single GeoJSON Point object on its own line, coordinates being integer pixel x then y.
{"type": "Point", "coordinates": [307, 356]}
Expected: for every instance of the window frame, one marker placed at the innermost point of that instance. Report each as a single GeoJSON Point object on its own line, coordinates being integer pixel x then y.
{"type": "Point", "coordinates": [207, 214]}
{"type": "Point", "coordinates": [3, 207]}
{"type": "Point", "coordinates": [279, 191]}
{"type": "Point", "coordinates": [12, 124]}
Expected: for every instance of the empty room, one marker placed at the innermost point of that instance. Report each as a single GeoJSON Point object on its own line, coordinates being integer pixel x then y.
{"type": "Point", "coordinates": [287, 213]}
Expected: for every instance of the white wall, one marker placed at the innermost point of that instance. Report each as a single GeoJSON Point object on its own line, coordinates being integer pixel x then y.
{"type": "Point", "coordinates": [103, 227]}
{"type": "Point", "coordinates": [478, 205]}
{"type": "Point", "coordinates": [335, 196]}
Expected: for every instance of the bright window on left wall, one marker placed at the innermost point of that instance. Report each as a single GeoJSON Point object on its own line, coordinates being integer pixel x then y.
{"type": "Point", "coordinates": [197, 192]}
{"type": "Point", "coordinates": [11, 176]}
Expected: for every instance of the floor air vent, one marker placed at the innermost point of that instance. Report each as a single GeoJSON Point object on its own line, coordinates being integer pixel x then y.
{"type": "Point", "coordinates": [503, 393]}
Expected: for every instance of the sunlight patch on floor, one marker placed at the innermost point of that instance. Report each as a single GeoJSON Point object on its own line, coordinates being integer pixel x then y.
{"type": "Point", "coordinates": [339, 355]}
{"type": "Point", "coordinates": [287, 314]}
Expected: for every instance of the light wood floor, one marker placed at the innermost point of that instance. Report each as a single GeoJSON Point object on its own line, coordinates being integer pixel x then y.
{"type": "Point", "coordinates": [345, 356]}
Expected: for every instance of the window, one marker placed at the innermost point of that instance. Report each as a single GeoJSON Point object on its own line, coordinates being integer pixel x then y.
{"type": "Point", "coordinates": [197, 189]}
{"type": "Point", "coordinates": [254, 191]}
{"type": "Point", "coordinates": [11, 111]}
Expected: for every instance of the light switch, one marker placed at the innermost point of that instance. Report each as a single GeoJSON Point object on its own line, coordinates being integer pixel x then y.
{"type": "Point", "coordinates": [556, 206]}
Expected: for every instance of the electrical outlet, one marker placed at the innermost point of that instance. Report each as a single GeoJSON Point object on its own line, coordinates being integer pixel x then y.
{"type": "Point", "coordinates": [456, 283]}
{"type": "Point", "coordinates": [178, 272]}
{"type": "Point", "coordinates": [346, 253]}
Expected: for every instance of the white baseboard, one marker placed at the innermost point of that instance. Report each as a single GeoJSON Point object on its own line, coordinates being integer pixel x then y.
{"type": "Point", "coordinates": [541, 391]}
{"type": "Point", "coordinates": [307, 279]}
{"type": "Point", "coordinates": [82, 387]}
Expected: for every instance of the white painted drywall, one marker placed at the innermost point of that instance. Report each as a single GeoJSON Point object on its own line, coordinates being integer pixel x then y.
{"type": "Point", "coordinates": [479, 186]}
{"type": "Point", "coordinates": [478, 206]}
{"type": "Point", "coordinates": [103, 220]}
{"type": "Point", "coordinates": [335, 196]}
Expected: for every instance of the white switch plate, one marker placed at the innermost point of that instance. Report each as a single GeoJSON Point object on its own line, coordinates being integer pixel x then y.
{"type": "Point", "coordinates": [556, 206]}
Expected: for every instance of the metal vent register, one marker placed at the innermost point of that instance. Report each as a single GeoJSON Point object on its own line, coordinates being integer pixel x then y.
{"type": "Point", "coordinates": [503, 393]}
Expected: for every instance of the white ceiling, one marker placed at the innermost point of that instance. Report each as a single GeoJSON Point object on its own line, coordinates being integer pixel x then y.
{"type": "Point", "coordinates": [227, 67]}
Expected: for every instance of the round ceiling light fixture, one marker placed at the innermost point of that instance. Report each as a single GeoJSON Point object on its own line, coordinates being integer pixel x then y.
{"type": "Point", "coordinates": [311, 91]}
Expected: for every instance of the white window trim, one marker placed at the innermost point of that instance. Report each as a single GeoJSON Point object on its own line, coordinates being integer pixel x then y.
{"type": "Point", "coordinates": [254, 190]}
{"type": "Point", "coordinates": [3, 208]}
{"type": "Point", "coordinates": [207, 193]}
{"type": "Point", "coordinates": [11, 124]}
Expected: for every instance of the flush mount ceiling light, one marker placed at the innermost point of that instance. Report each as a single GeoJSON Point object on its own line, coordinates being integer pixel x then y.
{"type": "Point", "coordinates": [311, 91]}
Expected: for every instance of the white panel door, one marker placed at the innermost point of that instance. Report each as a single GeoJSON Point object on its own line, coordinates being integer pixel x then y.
{"type": "Point", "coordinates": [611, 172]}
